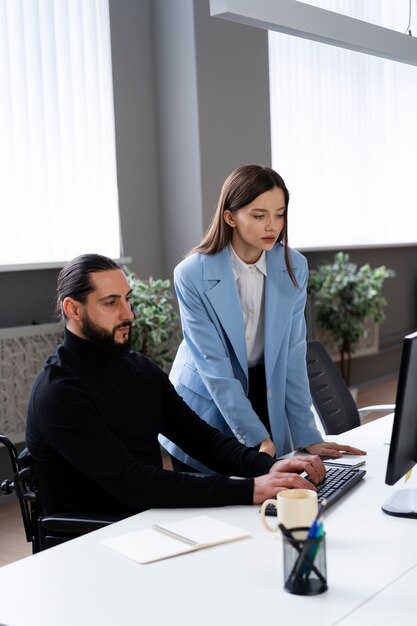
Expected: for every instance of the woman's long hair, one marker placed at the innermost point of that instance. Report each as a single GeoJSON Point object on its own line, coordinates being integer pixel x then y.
{"type": "Point", "coordinates": [240, 188]}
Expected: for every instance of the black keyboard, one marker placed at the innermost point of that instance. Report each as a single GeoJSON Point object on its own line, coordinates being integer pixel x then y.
{"type": "Point", "coordinates": [337, 482]}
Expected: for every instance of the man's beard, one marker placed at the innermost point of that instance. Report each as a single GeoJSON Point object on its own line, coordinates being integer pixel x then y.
{"type": "Point", "coordinates": [105, 339]}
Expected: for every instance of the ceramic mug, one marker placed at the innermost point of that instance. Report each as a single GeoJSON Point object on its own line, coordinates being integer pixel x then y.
{"type": "Point", "coordinates": [295, 508]}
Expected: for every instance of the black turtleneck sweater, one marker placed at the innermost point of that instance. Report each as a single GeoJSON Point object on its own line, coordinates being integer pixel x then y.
{"type": "Point", "coordinates": [93, 425]}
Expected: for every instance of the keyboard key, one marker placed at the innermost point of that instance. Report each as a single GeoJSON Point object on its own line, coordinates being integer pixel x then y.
{"type": "Point", "coordinates": [338, 481]}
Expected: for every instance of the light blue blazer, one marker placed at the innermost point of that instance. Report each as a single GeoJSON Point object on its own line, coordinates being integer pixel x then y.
{"type": "Point", "coordinates": [210, 370]}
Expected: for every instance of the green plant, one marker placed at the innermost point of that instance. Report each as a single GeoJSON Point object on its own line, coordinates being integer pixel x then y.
{"type": "Point", "coordinates": [343, 297]}
{"type": "Point", "coordinates": [155, 328]}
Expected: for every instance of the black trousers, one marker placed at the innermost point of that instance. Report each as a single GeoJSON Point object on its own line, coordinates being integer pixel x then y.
{"type": "Point", "coordinates": [257, 394]}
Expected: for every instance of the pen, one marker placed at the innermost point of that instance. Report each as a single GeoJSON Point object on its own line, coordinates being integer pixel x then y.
{"type": "Point", "coordinates": [302, 555]}
{"type": "Point", "coordinates": [307, 554]}
{"type": "Point", "coordinates": [321, 508]}
{"type": "Point", "coordinates": [300, 564]}
{"type": "Point", "coordinates": [313, 528]}
{"type": "Point", "coordinates": [314, 549]}
{"type": "Point", "coordinates": [171, 533]}
{"type": "Point", "coordinates": [316, 531]}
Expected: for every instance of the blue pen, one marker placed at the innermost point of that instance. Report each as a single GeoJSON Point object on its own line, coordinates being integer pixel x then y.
{"type": "Point", "coordinates": [296, 545]}
{"type": "Point", "coordinates": [313, 528]}
{"type": "Point", "coordinates": [314, 548]}
{"type": "Point", "coordinates": [309, 552]}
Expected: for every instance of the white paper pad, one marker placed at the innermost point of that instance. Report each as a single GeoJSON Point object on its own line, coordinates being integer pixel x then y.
{"type": "Point", "coordinates": [152, 544]}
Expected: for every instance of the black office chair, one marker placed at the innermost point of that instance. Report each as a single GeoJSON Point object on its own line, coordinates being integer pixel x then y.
{"type": "Point", "coordinates": [331, 397]}
{"type": "Point", "coordinates": [43, 528]}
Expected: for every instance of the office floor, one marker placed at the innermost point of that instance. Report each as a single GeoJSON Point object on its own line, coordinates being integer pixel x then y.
{"type": "Point", "coordinates": [13, 545]}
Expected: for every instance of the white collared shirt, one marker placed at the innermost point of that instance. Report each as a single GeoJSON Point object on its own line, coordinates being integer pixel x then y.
{"type": "Point", "coordinates": [250, 281]}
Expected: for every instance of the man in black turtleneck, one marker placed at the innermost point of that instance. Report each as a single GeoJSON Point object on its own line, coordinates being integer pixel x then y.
{"type": "Point", "coordinates": [97, 408]}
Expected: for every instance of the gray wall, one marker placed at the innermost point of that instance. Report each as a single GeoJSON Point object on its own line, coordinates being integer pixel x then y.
{"type": "Point", "coordinates": [233, 89]}
{"type": "Point", "coordinates": [135, 110]}
{"type": "Point", "coordinates": [179, 140]}
{"type": "Point", "coordinates": [191, 101]}
{"type": "Point", "coordinates": [211, 78]}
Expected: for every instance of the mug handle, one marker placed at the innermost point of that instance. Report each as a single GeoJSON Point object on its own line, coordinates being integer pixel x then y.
{"type": "Point", "coordinates": [263, 517]}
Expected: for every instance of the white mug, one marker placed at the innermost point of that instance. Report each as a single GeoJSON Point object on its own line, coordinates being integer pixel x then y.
{"type": "Point", "coordinates": [295, 508]}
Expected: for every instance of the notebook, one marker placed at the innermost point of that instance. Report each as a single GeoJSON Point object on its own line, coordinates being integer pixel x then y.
{"type": "Point", "coordinates": [347, 460]}
{"type": "Point", "coordinates": [162, 541]}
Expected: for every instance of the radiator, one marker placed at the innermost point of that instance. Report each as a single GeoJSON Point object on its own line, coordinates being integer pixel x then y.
{"type": "Point", "coordinates": [23, 350]}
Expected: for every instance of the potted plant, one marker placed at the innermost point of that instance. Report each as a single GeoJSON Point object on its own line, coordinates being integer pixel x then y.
{"type": "Point", "coordinates": [343, 297]}
{"type": "Point", "coordinates": [155, 328]}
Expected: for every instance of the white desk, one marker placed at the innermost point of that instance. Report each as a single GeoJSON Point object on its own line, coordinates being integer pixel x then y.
{"type": "Point", "coordinates": [371, 566]}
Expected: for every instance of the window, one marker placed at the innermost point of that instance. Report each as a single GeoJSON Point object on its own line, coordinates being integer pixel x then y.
{"type": "Point", "coordinates": [344, 132]}
{"type": "Point", "coordinates": [58, 192]}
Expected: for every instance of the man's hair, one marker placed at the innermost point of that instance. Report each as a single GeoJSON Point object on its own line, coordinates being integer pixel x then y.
{"type": "Point", "coordinates": [74, 279]}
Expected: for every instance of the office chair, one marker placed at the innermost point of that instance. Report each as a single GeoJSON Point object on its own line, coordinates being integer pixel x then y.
{"type": "Point", "coordinates": [331, 397]}
{"type": "Point", "coordinates": [42, 528]}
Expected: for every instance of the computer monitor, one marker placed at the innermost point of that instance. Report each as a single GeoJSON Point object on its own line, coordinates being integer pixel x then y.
{"type": "Point", "coordinates": [403, 448]}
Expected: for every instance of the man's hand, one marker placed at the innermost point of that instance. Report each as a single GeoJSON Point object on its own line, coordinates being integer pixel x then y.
{"type": "Point", "coordinates": [268, 447]}
{"type": "Point", "coordinates": [285, 475]}
{"type": "Point", "coordinates": [311, 464]}
{"type": "Point", "coordinates": [268, 486]}
{"type": "Point", "coordinates": [330, 449]}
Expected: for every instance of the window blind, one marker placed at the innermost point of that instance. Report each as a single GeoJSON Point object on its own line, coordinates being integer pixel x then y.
{"type": "Point", "coordinates": [344, 132]}
{"type": "Point", "coordinates": [58, 191]}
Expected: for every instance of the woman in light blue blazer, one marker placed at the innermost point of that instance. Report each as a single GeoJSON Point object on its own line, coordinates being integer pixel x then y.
{"type": "Point", "coordinates": [242, 294]}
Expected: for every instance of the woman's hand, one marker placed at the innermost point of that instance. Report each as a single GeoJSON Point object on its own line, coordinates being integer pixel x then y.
{"type": "Point", "coordinates": [267, 446]}
{"type": "Point", "coordinates": [332, 450]}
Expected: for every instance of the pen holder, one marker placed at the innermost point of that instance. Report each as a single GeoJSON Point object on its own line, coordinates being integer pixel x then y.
{"type": "Point", "coordinates": [304, 563]}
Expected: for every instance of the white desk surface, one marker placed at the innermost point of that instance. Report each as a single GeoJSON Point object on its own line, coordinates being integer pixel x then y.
{"type": "Point", "coordinates": [371, 567]}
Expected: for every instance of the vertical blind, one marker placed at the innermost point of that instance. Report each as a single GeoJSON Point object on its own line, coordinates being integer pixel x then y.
{"type": "Point", "coordinates": [344, 134]}
{"type": "Point", "coordinates": [58, 190]}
